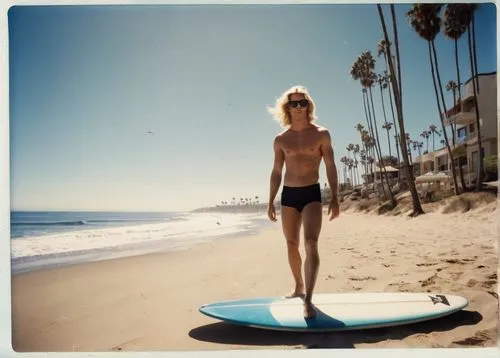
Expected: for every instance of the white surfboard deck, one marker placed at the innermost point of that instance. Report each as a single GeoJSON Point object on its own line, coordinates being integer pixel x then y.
{"type": "Point", "coordinates": [336, 311]}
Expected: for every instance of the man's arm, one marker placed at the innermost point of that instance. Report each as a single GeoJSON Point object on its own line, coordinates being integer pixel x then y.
{"type": "Point", "coordinates": [331, 169]}
{"type": "Point", "coordinates": [276, 172]}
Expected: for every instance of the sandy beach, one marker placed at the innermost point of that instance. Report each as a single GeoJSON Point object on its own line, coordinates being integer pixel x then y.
{"type": "Point", "coordinates": [150, 302]}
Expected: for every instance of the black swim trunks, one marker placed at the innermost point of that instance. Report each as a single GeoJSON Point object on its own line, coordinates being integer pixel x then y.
{"type": "Point", "coordinates": [298, 197]}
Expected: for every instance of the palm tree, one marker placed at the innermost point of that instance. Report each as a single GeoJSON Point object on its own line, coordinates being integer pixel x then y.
{"type": "Point", "coordinates": [455, 25]}
{"type": "Point", "coordinates": [396, 130]}
{"type": "Point", "coordinates": [355, 171]}
{"type": "Point", "coordinates": [388, 126]}
{"type": "Point", "coordinates": [350, 164]}
{"type": "Point", "coordinates": [410, 142]}
{"type": "Point", "coordinates": [349, 148]}
{"type": "Point", "coordinates": [433, 131]}
{"type": "Point", "coordinates": [371, 162]}
{"type": "Point", "coordinates": [359, 127]}
{"type": "Point", "coordinates": [363, 161]}
{"type": "Point", "coordinates": [426, 134]}
{"type": "Point", "coordinates": [452, 86]}
{"type": "Point", "coordinates": [419, 146]}
{"type": "Point", "coordinates": [382, 50]}
{"type": "Point", "coordinates": [357, 73]}
{"type": "Point", "coordinates": [473, 8]}
{"type": "Point", "coordinates": [396, 139]}
{"type": "Point", "coordinates": [342, 160]}
{"type": "Point", "coordinates": [382, 82]}
{"type": "Point", "coordinates": [363, 134]}
{"type": "Point", "coordinates": [397, 90]}
{"type": "Point", "coordinates": [369, 144]}
{"type": "Point", "coordinates": [470, 8]}
{"type": "Point", "coordinates": [355, 151]}
{"type": "Point", "coordinates": [425, 20]}
{"type": "Point", "coordinates": [363, 70]}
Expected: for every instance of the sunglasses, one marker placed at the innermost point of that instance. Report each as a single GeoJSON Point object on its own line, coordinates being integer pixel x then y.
{"type": "Point", "coordinates": [302, 102]}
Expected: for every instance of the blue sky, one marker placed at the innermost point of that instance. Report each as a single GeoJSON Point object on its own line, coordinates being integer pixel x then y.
{"type": "Point", "coordinates": [88, 83]}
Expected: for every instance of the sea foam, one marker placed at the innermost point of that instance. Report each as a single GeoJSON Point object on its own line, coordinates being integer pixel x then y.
{"type": "Point", "coordinates": [180, 233]}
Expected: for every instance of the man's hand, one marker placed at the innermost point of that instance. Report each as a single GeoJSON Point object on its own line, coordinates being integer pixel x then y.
{"type": "Point", "coordinates": [333, 208]}
{"type": "Point", "coordinates": [271, 212]}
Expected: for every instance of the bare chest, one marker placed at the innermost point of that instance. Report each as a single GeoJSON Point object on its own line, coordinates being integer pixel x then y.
{"type": "Point", "coordinates": [301, 145]}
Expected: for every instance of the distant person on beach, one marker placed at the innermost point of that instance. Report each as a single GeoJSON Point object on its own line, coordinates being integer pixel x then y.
{"type": "Point", "coordinates": [301, 146]}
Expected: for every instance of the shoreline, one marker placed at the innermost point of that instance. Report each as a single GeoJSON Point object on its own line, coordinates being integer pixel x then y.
{"type": "Point", "coordinates": [150, 302]}
{"type": "Point", "coordinates": [256, 222]}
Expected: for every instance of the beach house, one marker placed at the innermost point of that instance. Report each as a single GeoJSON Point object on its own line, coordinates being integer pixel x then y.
{"type": "Point", "coordinates": [463, 115]}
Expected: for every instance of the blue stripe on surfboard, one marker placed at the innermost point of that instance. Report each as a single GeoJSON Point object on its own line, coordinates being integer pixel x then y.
{"type": "Point", "coordinates": [236, 312]}
{"type": "Point", "coordinates": [256, 312]}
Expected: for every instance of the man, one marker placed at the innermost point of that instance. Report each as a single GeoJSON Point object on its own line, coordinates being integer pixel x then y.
{"type": "Point", "coordinates": [301, 147]}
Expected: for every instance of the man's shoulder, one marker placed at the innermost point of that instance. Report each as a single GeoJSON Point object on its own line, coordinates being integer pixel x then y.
{"type": "Point", "coordinates": [322, 130]}
{"type": "Point", "coordinates": [281, 134]}
{"type": "Point", "coordinates": [278, 138]}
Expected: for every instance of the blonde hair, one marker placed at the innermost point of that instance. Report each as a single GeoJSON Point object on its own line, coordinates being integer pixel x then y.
{"type": "Point", "coordinates": [280, 110]}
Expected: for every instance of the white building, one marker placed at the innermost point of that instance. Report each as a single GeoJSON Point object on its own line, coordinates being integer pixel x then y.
{"type": "Point", "coordinates": [466, 148]}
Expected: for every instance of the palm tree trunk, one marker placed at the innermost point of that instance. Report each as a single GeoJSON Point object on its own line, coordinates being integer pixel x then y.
{"type": "Point", "coordinates": [369, 120]}
{"type": "Point", "coordinates": [430, 46]}
{"type": "Point", "coordinates": [409, 153]}
{"type": "Point", "coordinates": [363, 146]}
{"type": "Point", "coordinates": [356, 170]}
{"type": "Point", "coordinates": [385, 119]}
{"type": "Point", "coordinates": [474, 48]}
{"type": "Point", "coordinates": [396, 139]}
{"type": "Point", "coordinates": [393, 201]}
{"type": "Point", "coordinates": [417, 208]}
{"type": "Point", "coordinates": [454, 125]}
{"type": "Point", "coordinates": [367, 113]}
{"type": "Point", "coordinates": [452, 129]}
{"type": "Point", "coordinates": [450, 152]}
{"type": "Point", "coordinates": [345, 173]}
{"type": "Point", "coordinates": [395, 132]}
{"type": "Point", "coordinates": [396, 43]}
{"type": "Point", "coordinates": [394, 120]}
{"type": "Point", "coordinates": [479, 178]}
{"type": "Point", "coordinates": [460, 170]}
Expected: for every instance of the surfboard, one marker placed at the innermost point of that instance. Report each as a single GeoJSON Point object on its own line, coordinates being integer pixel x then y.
{"type": "Point", "coordinates": [336, 311]}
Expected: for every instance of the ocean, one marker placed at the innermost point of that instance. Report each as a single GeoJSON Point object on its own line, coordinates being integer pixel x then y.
{"type": "Point", "coordinates": [48, 239]}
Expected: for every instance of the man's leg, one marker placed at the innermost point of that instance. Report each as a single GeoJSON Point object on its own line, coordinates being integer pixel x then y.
{"type": "Point", "coordinates": [311, 219]}
{"type": "Point", "coordinates": [291, 221]}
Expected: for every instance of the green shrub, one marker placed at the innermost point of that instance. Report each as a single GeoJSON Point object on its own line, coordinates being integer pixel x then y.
{"type": "Point", "coordinates": [491, 168]}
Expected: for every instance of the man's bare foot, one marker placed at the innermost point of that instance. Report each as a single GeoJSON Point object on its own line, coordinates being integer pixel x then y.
{"type": "Point", "coordinates": [294, 294]}
{"type": "Point", "coordinates": [309, 311]}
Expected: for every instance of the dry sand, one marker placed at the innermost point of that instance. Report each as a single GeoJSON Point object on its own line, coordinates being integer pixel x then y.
{"type": "Point", "coordinates": [151, 302]}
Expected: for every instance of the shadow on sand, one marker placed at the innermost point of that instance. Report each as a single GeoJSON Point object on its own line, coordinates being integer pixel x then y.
{"type": "Point", "coordinates": [226, 333]}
